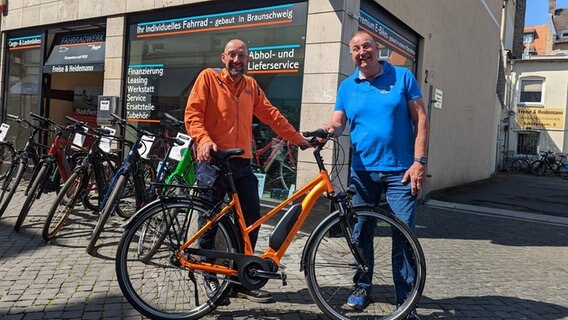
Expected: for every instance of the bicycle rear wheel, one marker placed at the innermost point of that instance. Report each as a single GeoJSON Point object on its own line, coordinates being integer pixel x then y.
{"type": "Point", "coordinates": [63, 206]}
{"type": "Point", "coordinates": [331, 270]}
{"type": "Point", "coordinates": [150, 275]}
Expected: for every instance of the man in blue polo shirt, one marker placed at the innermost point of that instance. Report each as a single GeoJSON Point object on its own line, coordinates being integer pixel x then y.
{"type": "Point", "coordinates": [389, 135]}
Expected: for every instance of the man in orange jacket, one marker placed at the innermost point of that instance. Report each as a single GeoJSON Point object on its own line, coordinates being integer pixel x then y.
{"type": "Point", "coordinates": [218, 116]}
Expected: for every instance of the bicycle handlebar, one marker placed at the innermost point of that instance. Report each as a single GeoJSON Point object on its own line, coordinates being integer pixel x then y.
{"type": "Point", "coordinates": [97, 131]}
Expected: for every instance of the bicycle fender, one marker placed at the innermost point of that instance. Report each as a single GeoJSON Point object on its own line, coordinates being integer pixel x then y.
{"type": "Point", "coordinates": [331, 216]}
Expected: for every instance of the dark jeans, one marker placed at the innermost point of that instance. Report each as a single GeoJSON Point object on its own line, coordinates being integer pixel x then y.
{"type": "Point", "coordinates": [246, 184]}
{"type": "Point", "coordinates": [370, 186]}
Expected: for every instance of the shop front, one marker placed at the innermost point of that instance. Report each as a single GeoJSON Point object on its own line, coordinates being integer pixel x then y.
{"type": "Point", "coordinates": [61, 71]}
{"type": "Point", "coordinates": [167, 51]}
{"type": "Point", "coordinates": [53, 73]}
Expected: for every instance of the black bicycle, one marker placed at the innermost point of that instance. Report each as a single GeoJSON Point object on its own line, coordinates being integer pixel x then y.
{"type": "Point", "coordinates": [97, 164]}
{"type": "Point", "coordinates": [53, 169]}
{"type": "Point", "coordinates": [25, 158]}
{"type": "Point", "coordinates": [128, 190]}
{"type": "Point", "coordinates": [548, 164]}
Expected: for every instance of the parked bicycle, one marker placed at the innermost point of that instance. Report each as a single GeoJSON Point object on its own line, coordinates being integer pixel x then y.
{"type": "Point", "coordinates": [96, 163]}
{"type": "Point", "coordinates": [548, 164]}
{"type": "Point", "coordinates": [7, 152]}
{"type": "Point", "coordinates": [280, 155]}
{"type": "Point", "coordinates": [159, 264]}
{"type": "Point", "coordinates": [53, 168]}
{"type": "Point", "coordinates": [127, 190]}
{"type": "Point", "coordinates": [25, 158]}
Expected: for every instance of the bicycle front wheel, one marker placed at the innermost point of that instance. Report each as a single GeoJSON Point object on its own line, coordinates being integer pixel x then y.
{"type": "Point", "coordinates": [63, 206]}
{"type": "Point", "coordinates": [538, 168]}
{"type": "Point", "coordinates": [331, 270]}
{"type": "Point", "coordinates": [111, 203]}
{"type": "Point", "coordinates": [7, 155]}
{"type": "Point", "coordinates": [149, 273]}
{"type": "Point", "coordinates": [33, 194]}
{"type": "Point", "coordinates": [10, 187]}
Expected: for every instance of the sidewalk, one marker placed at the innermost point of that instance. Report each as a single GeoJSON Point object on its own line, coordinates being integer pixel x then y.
{"type": "Point", "coordinates": [517, 195]}
{"type": "Point", "coordinates": [479, 267]}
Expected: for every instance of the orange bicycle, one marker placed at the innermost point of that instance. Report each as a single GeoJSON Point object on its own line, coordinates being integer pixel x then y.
{"type": "Point", "coordinates": [162, 271]}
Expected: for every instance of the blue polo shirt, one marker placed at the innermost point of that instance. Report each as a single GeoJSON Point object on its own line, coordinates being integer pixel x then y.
{"type": "Point", "coordinates": [382, 132]}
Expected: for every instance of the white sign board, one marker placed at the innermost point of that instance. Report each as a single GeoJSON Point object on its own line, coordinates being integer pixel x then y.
{"type": "Point", "coordinates": [261, 181]}
{"type": "Point", "coordinates": [79, 139]}
{"type": "Point", "coordinates": [438, 97]}
{"type": "Point", "coordinates": [147, 142]}
{"type": "Point", "coordinates": [4, 131]}
{"type": "Point", "coordinates": [177, 150]}
{"type": "Point", "coordinates": [106, 141]}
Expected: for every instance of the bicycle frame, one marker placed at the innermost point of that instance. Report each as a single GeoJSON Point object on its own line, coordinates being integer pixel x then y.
{"type": "Point", "coordinates": [130, 164]}
{"type": "Point", "coordinates": [275, 145]}
{"type": "Point", "coordinates": [315, 188]}
{"type": "Point", "coordinates": [56, 155]}
{"type": "Point", "coordinates": [184, 169]}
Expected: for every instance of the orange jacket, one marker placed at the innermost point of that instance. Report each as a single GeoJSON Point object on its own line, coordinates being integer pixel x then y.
{"type": "Point", "coordinates": [220, 110]}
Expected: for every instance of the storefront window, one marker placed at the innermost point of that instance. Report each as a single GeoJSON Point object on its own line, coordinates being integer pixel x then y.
{"type": "Point", "coordinates": [165, 57]}
{"type": "Point", "coordinates": [397, 43]}
{"type": "Point", "coordinates": [23, 81]}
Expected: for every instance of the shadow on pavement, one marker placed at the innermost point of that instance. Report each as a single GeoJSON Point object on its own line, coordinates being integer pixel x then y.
{"type": "Point", "coordinates": [487, 307]}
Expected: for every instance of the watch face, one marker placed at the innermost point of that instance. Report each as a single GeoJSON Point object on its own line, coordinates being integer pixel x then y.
{"type": "Point", "coordinates": [423, 160]}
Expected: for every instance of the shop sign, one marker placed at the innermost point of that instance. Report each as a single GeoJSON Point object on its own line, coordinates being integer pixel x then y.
{"type": "Point", "coordinates": [22, 43]}
{"type": "Point", "coordinates": [77, 53]}
{"type": "Point", "coordinates": [258, 17]}
{"type": "Point", "coordinates": [141, 83]}
{"type": "Point", "coordinates": [386, 35]}
{"type": "Point", "coordinates": [540, 118]}
{"type": "Point", "coordinates": [275, 59]}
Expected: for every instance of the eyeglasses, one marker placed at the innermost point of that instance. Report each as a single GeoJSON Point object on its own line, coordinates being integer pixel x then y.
{"type": "Point", "coordinates": [233, 54]}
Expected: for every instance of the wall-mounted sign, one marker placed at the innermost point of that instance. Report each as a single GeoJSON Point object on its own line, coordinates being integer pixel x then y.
{"type": "Point", "coordinates": [77, 53]}
{"type": "Point", "coordinates": [540, 118]}
{"type": "Point", "coordinates": [438, 98]}
{"type": "Point", "coordinates": [386, 35]}
{"type": "Point", "coordinates": [252, 18]}
{"type": "Point", "coordinates": [23, 43]}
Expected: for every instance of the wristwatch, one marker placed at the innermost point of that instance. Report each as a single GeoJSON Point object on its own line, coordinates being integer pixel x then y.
{"type": "Point", "coordinates": [423, 160]}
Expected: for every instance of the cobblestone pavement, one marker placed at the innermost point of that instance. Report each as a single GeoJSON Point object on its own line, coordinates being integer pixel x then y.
{"type": "Point", "coordinates": [479, 267]}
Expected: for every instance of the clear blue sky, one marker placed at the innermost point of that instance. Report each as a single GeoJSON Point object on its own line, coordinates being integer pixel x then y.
{"type": "Point", "coordinates": [537, 11]}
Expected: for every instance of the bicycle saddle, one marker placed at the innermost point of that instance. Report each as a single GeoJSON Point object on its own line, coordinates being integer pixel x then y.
{"type": "Point", "coordinates": [223, 155]}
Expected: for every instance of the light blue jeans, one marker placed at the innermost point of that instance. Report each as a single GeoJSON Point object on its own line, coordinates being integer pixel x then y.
{"type": "Point", "coordinates": [370, 186]}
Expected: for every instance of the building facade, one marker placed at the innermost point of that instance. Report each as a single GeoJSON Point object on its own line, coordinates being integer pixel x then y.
{"type": "Point", "coordinates": [538, 84]}
{"type": "Point", "coordinates": [60, 56]}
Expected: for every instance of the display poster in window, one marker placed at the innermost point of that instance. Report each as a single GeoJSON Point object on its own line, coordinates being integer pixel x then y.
{"type": "Point", "coordinates": [85, 100]}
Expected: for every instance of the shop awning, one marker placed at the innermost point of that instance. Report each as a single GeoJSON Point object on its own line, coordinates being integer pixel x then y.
{"type": "Point", "coordinates": [77, 52]}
